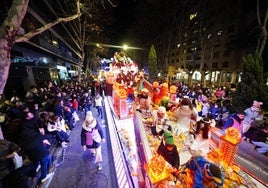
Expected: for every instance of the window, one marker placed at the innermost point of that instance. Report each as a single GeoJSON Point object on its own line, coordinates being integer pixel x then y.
{"type": "Point", "coordinates": [219, 33]}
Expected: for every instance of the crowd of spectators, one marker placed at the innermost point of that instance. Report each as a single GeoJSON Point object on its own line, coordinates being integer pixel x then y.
{"type": "Point", "coordinates": [33, 123]}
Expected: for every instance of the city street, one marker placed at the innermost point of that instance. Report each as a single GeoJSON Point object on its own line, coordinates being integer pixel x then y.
{"type": "Point", "coordinates": [76, 168]}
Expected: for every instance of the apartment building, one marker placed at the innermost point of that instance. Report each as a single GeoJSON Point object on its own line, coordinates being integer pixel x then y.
{"type": "Point", "coordinates": [52, 55]}
{"type": "Point", "coordinates": [207, 44]}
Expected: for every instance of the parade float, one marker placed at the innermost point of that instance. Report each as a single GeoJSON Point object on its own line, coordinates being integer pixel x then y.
{"type": "Point", "coordinates": [134, 147]}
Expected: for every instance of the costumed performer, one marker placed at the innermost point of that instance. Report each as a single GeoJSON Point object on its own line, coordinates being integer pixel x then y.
{"type": "Point", "coordinates": [206, 174]}
{"type": "Point", "coordinates": [168, 150]}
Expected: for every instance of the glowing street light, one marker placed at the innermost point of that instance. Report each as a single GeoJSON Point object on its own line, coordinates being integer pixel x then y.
{"type": "Point", "coordinates": [125, 47]}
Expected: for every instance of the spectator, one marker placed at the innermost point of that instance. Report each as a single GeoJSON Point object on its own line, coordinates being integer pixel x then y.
{"type": "Point", "coordinates": [7, 150]}
{"type": "Point", "coordinates": [68, 115]}
{"type": "Point", "coordinates": [86, 102]}
{"type": "Point", "coordinates": [169, 151]}
{"type": "Point", "coordinates": [36, 147]}
{"type": "Point", "coordinates": [98, 104]}
{"type": "Point", "coordinates": [235, 121]}
{"type": "Point", "coordinates": [19, 177]}
{"type": "Point", "coordinates": [205, 108]}
{"type": "Point", "coordinates": [42, 122]}
{"type": "Point", "coordinates": [252, 115]}
{"type": "Point", "coordinates": [220, 93]}
{"type": "Point", "coordinates": [58, 108]}
{"type": "Point", "coordinates": [259, 137]}
{"type": "Point", "coordinates": [75, 104]}
{"type": "Point", "coordinates": [55, 127]}
{"type": "Point", "coordinates": [91, 138]}
{"type": "Point", "coordinates": [215, 111]}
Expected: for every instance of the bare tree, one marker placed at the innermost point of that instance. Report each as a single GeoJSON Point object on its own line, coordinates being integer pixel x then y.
{"type": "Point", "coordinates": [263, 26]}
{"type": "Point", "coordinates": [10, 34]}
{"type": "Point", "coordinates": [89, 29]}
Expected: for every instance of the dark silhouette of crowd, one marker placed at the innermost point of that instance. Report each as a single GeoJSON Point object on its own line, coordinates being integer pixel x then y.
{"type": "Point", "coordinates": [36, 122]}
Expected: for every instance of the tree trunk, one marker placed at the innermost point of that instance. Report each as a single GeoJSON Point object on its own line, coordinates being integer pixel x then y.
{"type": "Point", "coordinates": [8, 31]}
{"type": "Point", "coordinates": [4, 63]}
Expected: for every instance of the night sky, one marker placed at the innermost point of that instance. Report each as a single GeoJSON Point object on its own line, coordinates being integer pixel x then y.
{"type": "Point", "coordinates": [124, 18]}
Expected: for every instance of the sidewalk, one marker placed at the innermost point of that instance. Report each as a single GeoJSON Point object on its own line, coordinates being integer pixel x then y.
{"type": "Point", "coordinates": [76, 168]}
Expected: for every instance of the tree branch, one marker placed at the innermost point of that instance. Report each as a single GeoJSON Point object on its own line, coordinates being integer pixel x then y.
{"type": "Point", "coordinates": [31, 34]}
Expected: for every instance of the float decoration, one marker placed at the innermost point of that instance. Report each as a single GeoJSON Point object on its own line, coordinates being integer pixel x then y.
{"type": "Point", "coordinates": [229, 144]}
{"type": "Point", "coordinates": [173, 92]}
{"type": "Point", "coordinates": [232, 135]}
{"type": "Point", "coordinates": [158, 169]}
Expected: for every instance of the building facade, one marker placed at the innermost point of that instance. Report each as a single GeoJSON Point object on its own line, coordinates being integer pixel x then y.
{"type": "Point", "coordinates": [50, 55]}
{"type": "Point", "coordinates": [206, 42]}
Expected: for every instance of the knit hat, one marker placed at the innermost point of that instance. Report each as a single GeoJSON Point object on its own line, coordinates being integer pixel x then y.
{"type": "Point", "coordinates": [90, 122]}
{"type": "Point", "coordinates": [257, 104]}
{"type": "Point", "coordinates": [168, 138]}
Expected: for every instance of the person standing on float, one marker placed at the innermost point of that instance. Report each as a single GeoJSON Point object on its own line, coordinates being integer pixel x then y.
{"type": "Point", "coordinates": [185, 115]}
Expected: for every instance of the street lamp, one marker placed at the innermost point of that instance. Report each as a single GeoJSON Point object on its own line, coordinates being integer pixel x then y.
{"type": "Point", "coordinates": [125, 47]}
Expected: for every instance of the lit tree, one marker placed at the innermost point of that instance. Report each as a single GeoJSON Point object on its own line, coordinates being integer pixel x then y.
{"type": "Point", "coordinates": [11, 33]}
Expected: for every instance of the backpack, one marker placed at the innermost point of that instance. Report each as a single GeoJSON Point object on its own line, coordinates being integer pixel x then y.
{"type": "Point", "coordinates": [89, 138]}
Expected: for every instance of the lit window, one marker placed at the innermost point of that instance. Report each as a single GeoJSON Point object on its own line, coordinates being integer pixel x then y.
{"type": "Point", "coordinates": [192, 16]}
{"type": "Point", "coordinates": [54, 42]}
{"type": "Point", "coordinates": [219, 33]}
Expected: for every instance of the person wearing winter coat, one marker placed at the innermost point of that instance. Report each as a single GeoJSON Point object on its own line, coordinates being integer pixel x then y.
{"type": "Point", "coordinates": [7, 150]}
{"type": "Point", "coordinates": [19, 178]}
{"type": "Point", "coordinates": [253, 115]}
{"type": "Point", "coordinates": [91, 138]}
{"type": "Point", "coordinates": [36, 147]}
{"type": "Point", "coordinates": [56, 127]}
{"type": "Point", "coordinates": [235, 121]}
{"type": "Point", "coordinates": [98, 104]}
